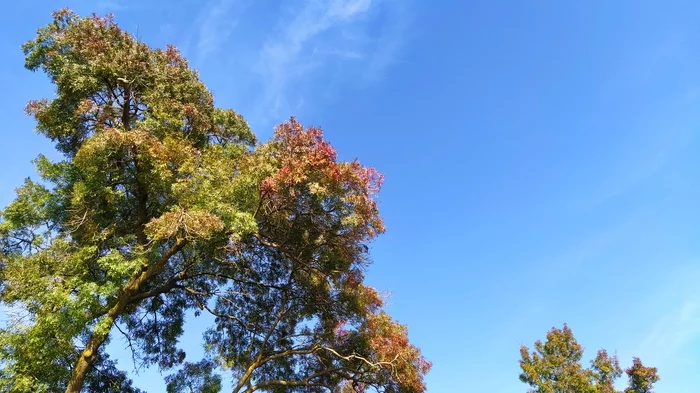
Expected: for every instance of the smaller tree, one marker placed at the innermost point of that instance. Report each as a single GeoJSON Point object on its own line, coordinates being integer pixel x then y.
{"type": "Point", "coordinates": [605, 370]}
{"type": "Point", "coordinates": [555, 367]}
{"type": "Point", "coordinates": [641, 378]}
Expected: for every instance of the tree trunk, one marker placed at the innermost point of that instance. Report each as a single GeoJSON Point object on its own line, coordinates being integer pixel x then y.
{"type": "Point", "coordinates": [89, 354]}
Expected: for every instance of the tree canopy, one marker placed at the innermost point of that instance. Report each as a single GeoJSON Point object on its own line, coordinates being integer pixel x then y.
{"type": "Point", "coordinates": [555, 367]}
{"type": "Point", "coordinates": [164, 204]}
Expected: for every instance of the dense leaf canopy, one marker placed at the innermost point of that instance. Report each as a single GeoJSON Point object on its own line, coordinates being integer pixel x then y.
{"type": "Point", "coordinates": [164, 203]}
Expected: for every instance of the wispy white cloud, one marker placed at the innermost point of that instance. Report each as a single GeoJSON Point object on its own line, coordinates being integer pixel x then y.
{"type": "Point", "coordinates": [581, 254]}
{"type": "Point", "coordinates": [285, 56]}
{"type": "Point", "coordinates": [313, 40]}
{"type": "Point", "coordinates": [346, 54]}
{"type": "Point", "coordinates": [644, 170]}
{"type": "Point", "coordinates": [661, 129]}
{"type": "Point", "coordinates": [666, 342]}
{"type": "Point", "coordinates": [216, 23]}
{"type": "Point", "coordinates": [673, 331]}
{"type": "Point", "coordinates": [109, 5]}
{"type": "Point", "coordinates": [348, 8]}
{"type": "Point", "coordinates": [390, 41]}
{"type": "Point", "coordinates": [282, 59]}
{"type": "Point", "coordinates": [649, 161]}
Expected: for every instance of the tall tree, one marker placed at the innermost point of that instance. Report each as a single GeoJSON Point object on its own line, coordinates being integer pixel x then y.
{"type": "Point", "coordinates": [555, 367]}
{"type": "Point", "coordinates": [165, 203]}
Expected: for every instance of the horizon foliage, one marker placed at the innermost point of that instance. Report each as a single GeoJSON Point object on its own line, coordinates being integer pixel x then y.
{"type": "Point", "coordinates": [555, 367]}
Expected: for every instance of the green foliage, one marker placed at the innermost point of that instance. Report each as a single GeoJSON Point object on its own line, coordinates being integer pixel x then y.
{"type": "Point", "coordinates": [605, 370]}
{"type": "Point", "coordinates": [195, 377]}
{"type": "Point", "coordinates": [641, 378]}
{"type": "Point", "coordinates": [165, 203]}
{"type": "Point", "coordinates": [555, 367]}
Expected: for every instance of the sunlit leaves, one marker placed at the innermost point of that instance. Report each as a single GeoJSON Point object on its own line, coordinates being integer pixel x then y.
{"type": "Point", "coordinates": [555, 367]}
{"type": "Point", "coordinates": [641, 378]}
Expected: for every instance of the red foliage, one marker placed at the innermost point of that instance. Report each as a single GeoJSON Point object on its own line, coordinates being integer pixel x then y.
{"type": "Point", "coordinates": [306, 158]}
{"type": "Point", "coordinates": [104, 21]}
{"type": "Point", "coordinates": [34, 106]}
{"type": "Point", "coordinates": [389, 343]}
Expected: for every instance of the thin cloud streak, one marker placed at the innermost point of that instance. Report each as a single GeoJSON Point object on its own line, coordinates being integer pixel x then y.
{"type": "Point", "coordinates": [391, 40]}
{"type": "Point", "coordinates": [308, 48]}
{"type": "Point", "coordinates": [673, 332]}
{"type": "Point", "coordinates": [669, 342]}
{"type": "Point", "coordinates": [215, 26]}
{"type": "Point", "coordinates": [110, 5]}
{"type": "Point", "coordinates": [315, 36]}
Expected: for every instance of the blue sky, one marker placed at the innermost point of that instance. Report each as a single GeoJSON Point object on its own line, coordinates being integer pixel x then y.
{"type": "Point", "coordinates": [540, 157]}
